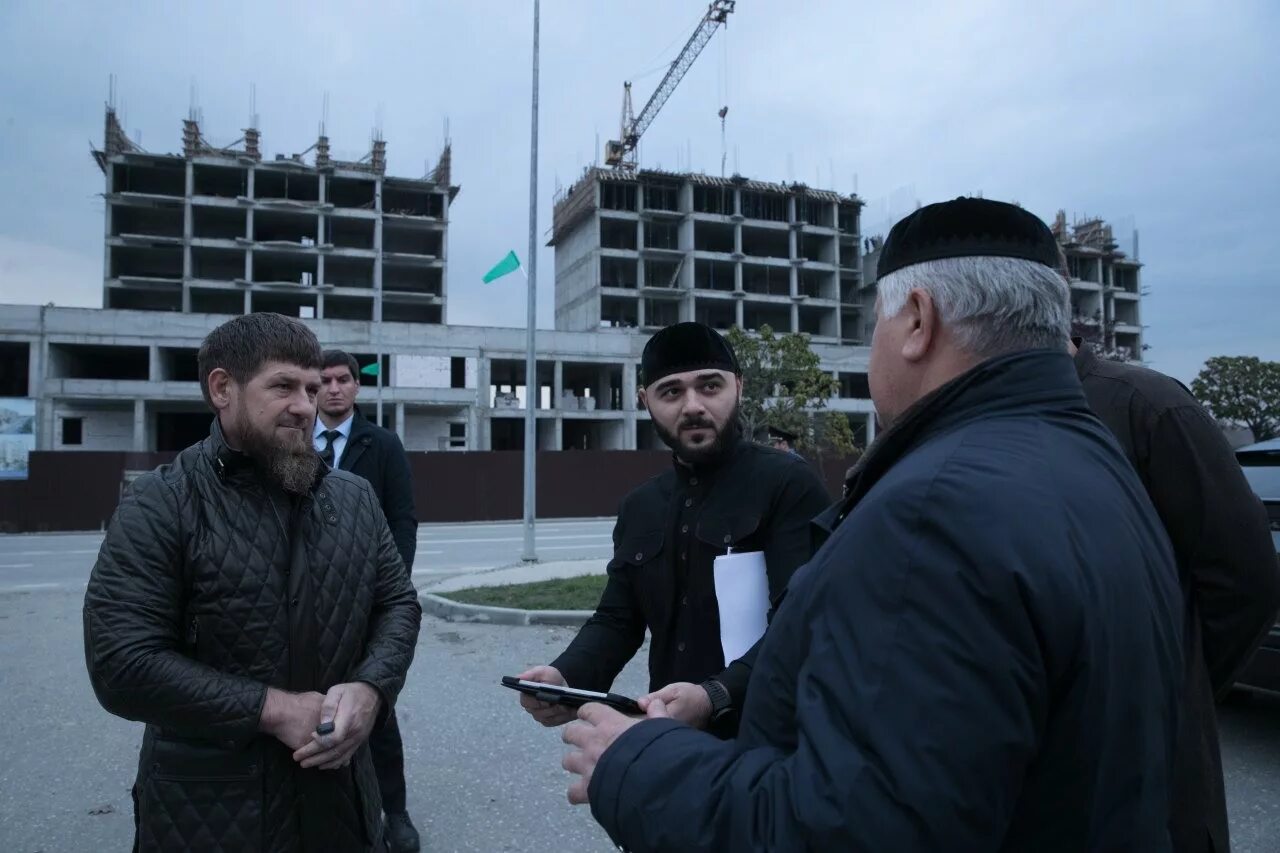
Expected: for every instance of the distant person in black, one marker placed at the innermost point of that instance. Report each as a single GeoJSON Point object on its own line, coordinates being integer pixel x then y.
{"type": "Point", "coordinates": [784, 440]}
{"type": "Point", "coordinates": [723, 492]}
{"type": "Point", "coordinates": [347, 440]}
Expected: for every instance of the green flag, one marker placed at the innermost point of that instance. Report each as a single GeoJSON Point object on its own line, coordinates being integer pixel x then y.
{"type": "Point", "coordinates": [509, 264]}
{"type": "Point", "coordinates": [370, 369]}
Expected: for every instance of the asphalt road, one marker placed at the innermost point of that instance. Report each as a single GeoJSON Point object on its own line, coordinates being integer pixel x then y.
{"type": "Point", "coordinates": [37, 562]}
{"type": "Point", "coordinates": [481, 775]}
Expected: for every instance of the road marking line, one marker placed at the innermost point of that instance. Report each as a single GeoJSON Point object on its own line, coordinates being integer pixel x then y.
{"type": "Point", "coordinates": [47, 553]}
{"type": "Point", "coordinates": [37, 587]}
{"type": "Point", "coordinates": [517, 539]}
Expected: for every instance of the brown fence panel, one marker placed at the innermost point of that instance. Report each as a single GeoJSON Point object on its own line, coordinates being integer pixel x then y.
{"type": "Point", "coordinates": [79, 490]}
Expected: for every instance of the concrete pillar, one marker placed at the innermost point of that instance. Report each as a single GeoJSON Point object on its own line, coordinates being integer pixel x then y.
{"type": "Point", "coordinates": [629, 431]}
{"type": "Point", "coordinates": [739, 311]}
{"type": "Point", "coordinates": [154, 367]}
{"type": "Point", "coordinates": [557, 383]}
{"type": "Point", "coordinates": [188, 232]}
{"type": "Point", "coordinates": [45, 434]}
{"type": "Point", "coordinates": [557, 433]}
{"type": "Point", "coordinates": [248, 230]}
{"type": "Point", "coordinates": [377, 249]}
{"type": "Point", "coordinates": [108, 191]}
{"type": "Point", "coordinates": [248, 301]}
{"type": "Point", "coordinates": [473, 428]}
{"type": "Point", "coordinates": [140, 426]}
{"type": "Point", "coordinates": [629, 402]}
{"type": "Point", "coordinates": [871, 428]}
{"type": "Point", "coordinates": [480, 440]}
{"type": "Point", "coordinates": [400, 421]}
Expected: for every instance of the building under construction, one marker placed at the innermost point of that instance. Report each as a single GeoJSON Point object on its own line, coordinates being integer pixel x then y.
{"type": "Point", "coordinates": [1106, 293]}
{"type": "Point", "coordinates": [644, 249]}
{"type": "Point", "coordinates": [220, 230]}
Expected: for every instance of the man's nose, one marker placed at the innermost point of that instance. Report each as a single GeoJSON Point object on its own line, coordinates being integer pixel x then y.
{"type": "Point", "coordinates": [302, 405]}
{"type": "Point", "coordinates": [693, 403]}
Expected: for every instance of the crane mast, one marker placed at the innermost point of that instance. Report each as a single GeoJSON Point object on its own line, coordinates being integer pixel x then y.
{"type": "Point", "coordinates": [620, 153]}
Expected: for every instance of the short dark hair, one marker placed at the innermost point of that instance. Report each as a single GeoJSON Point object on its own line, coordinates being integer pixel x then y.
{"type": "Point", "coordinates": [339, 357]}
{"type": "Point", "coordinates": [241, 346]}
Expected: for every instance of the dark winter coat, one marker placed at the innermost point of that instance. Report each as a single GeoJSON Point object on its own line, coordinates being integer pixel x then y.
{"type": "Point", "coordinates": [1226, 564]}
{"type": "Point", "coordinates": [985, 655]}
{"type": "Point", "coordinates": [377, 455]}
{"type": "Point", "coordinates": [211, 586]}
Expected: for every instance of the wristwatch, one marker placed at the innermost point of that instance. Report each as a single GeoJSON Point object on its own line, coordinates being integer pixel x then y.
{"type": "Point", "coordinates": [721, 703]}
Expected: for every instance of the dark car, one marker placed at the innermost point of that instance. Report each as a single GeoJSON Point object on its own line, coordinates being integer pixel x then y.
{"type": "Point", "coordinates": [1261, 464]}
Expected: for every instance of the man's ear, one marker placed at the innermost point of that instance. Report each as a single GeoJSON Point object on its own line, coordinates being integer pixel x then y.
{"type": "Point", "coordinates": [737, 379]}
{"type": "Point", "coordinates": [642, 400]}
{"type": "Point", "coordinates": [920, 315]}
{"type": "Point", "coordinates": [221, 388]}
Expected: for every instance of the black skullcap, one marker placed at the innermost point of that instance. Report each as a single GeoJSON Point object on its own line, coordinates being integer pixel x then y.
{"type": "Point", "coordinates": [686, 346]}
{"type": "Point", "coordinates": [780, 434]}
{"type": "Point", "coordinates": [964, 228]}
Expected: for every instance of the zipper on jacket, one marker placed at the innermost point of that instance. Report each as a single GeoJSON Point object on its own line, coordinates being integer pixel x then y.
{"type": "Point", "coordinates": [193, 631]}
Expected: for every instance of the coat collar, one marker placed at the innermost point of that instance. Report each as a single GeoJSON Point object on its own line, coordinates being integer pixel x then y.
{"type": "Point", "coordinates": [232, 466]}
{"type": "Point", "coordinates": [1031, 380]}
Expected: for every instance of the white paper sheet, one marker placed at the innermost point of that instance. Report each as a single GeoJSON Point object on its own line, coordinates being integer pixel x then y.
{"type": "Point", "coordinates": [742, 593]}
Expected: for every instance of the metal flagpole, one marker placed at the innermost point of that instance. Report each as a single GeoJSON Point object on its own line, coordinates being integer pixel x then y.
{"type": "Point", "coordinates": [531, 389]}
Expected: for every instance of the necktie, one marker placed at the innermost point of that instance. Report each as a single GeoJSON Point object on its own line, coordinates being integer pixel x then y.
{"type": "Point", "coordinates": [330, 436]}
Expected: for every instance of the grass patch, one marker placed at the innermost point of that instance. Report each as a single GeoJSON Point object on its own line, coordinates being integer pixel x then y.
{"type": "Point", "coordinates": [580, 593]}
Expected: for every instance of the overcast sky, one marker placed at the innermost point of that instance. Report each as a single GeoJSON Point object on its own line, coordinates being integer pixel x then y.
{"type": "Point", "coordinates": [1160, 116]}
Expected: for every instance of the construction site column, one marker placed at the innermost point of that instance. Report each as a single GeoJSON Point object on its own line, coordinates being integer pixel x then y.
{"type": "Point", "coordinates": [188, 230]}
{"type": "Point", "coordinates": [321, 220]}
{"type": "Point", "coordinates": [871, 428]}
{"type": "Point", "coordinates": [473, 428]}
{"type": "Point", "coordinates": [154, 369]}
{"type": "Point", "coordinates": [479, 440]}
{"type": "Point", "coordinates": [557, 384]}
{"type": "Point", "coordinates": [248, 235]}
{"type": "Point", "coordinates": [400, 431]}
{"type": "Point", "coordinates": [377, 251]}
{"type": "Point", "coordinates": [139, 426]}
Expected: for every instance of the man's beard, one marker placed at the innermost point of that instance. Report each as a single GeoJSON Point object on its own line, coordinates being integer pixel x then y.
{"type": "Point", "coordinates": [696, 454]}
{"type": "Point", "coordinates": [292, 464]}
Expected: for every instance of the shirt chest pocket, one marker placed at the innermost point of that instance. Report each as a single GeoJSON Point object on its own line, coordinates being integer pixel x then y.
{"type": "Point", "coordinates": [739, 531]}
{"type": "Point", "coordinates": [640, 559]}
{"type": "Point", "coordinates": [637, 550]}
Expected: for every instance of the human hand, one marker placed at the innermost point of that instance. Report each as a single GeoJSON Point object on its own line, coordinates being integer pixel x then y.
{"type": "Point", "coordinates": [353, 709]}
{"type": "Point", "coordinates": [291, 718]}
{"type": "Point", "coordinates": [548, 713]}
{"type": "Point", "coordinates": [686, 702]}
{"type": "Point", "coordinates": [597, 727]}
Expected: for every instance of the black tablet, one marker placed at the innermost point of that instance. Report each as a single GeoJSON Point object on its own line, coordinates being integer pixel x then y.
{"type": "Point", "coordinates": [571, 696]}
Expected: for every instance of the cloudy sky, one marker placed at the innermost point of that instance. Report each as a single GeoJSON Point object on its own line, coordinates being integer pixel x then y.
{"type": "Point", "coordinates": [1155, 115]}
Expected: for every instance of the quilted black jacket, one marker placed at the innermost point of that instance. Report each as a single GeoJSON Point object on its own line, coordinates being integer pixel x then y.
{"type": "Point", "coordinates": [209, 588]}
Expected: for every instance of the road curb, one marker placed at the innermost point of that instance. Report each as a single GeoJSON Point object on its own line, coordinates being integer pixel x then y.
{"type": "Point", "coordinates": [456, 611]}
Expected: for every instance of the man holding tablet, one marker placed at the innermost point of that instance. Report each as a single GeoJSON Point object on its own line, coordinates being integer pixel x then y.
{"type": "Point", "coordinates": [724, 494]}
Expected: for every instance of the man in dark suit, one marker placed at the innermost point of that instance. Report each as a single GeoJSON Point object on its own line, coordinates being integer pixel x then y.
{"type": "Point", "coordinates": [345, 439]}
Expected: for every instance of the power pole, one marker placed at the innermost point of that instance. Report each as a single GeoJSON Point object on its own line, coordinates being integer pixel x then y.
{"type": "Point", "coordinates": [531, 388]}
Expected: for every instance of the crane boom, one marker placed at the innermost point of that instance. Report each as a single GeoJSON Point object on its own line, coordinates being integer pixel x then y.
{"type": "Point", "coordinates": [617, 151]}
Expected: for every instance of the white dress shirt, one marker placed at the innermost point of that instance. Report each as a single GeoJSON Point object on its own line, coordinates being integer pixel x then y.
{"type": "Point", "coordinates": [339, 443]}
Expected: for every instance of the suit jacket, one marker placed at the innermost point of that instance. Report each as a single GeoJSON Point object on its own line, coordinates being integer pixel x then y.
{"type": "Point", "coordinates": [377, 455]}
{"type": "Point", "coordinates": [1226, 564]}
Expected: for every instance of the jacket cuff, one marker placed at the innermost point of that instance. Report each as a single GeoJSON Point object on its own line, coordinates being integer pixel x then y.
{"type": "Point", "coordinates": [734, 678]}
{"type": "Point", "coordinates": [605, 788]}
{"type": "Point", "coordinates": [576, 675]}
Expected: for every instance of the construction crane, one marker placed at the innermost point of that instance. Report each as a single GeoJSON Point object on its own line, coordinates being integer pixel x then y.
{"type": "Point", "coordinates": [620, 153]}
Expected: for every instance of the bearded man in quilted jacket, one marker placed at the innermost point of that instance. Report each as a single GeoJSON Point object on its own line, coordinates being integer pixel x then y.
{"type": "Point", "coordinates": [246, 599]}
